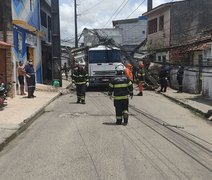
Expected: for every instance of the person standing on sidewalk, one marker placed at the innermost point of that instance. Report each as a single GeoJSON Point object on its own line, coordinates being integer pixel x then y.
{"type": "Point", "coordinates": [180, 74]}
{"type": "Point", "coordinates": [65, 69]}
{"type": "Point", "coordinates": [30, 78]}
{"type": "Point", "coordinates": [21, 74]}
{"type": "Point", "coordinates": [80, 79]}
{"type": "Point", "coordinates": [120, 86]}
{"type": "Point", "coordinates": [163, 79]}
{"type": "Point", "coordinates": [140, 78]}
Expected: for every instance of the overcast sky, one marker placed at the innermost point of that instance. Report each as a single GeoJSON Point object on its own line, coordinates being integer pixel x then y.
{"type": "Point", "coordinates": [99, 13]}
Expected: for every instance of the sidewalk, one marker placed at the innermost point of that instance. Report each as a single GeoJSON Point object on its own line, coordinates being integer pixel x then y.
{"type": "Point", "coordinates": [20, 111]}
{"type": "Point", "coordinates": [194, 102]}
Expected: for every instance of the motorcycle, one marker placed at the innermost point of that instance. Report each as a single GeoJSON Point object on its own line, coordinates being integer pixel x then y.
{"type": "Point", "coordinates": [3, 94]}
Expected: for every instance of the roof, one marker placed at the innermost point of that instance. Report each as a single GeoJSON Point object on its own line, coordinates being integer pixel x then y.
{"type": "Point", "coordinates": [162, 6]}
{"type": "Point", "coordinates": [4, 45]}
{"type": "Point", "coordinates": [124, 21]}
{"type": "Point", "coordinates": [200, 47]}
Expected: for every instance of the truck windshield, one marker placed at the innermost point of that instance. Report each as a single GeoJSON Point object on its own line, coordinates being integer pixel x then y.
{"type": "Point", "coordinates": [104, 56]}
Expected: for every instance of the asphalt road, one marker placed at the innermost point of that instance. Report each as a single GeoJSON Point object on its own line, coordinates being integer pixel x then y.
{"type": "Point", "coordinates": [81, 142]}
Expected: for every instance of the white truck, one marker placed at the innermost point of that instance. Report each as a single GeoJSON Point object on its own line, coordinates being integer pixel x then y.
{"type": "Point", "coordinates": [100, 62]}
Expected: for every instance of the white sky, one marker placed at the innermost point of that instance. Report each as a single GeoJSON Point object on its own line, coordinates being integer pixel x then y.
{"type": "Point", "coordinates": [99, 13]}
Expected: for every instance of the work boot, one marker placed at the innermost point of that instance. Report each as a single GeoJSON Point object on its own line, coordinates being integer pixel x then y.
{"type": "Point", "coordinates": [83, 102]}
{"type": "Point", "coordinates": [78, 100]}
{"type": "Point", "coordinates": [140, 94]}
{"type": "Point", "coordinates": [118, 123]}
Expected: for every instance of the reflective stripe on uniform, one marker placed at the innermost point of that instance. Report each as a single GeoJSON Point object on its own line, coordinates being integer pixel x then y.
{"type": "Point", "coordinates": [122, 85]}
{"type": "Point", "coordinates": [120, 97]}
{"type": "Point", "coordinates": [80, 82]}
{"type": "Point", "coordinates": [125, 111]}
{"type": "Point", "coordinates": [118, 117]}
{"type": "Point", "coordinates": [110, 85]}
{"type": "Point", "coordinates": [80, 75]}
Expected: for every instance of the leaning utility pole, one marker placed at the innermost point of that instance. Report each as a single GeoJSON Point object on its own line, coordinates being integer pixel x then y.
{"type": "Point", "coordinates": [75, 18]}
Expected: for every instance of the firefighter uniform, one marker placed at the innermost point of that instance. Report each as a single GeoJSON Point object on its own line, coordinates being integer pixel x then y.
{"type": "Point", "coordinates": [163, 79]}
{"type": "Point", "coordinates": [140, 79]}
{"type": "Point", "coordinates": [80, 79]}
{"type": "Point", "coordinates": [121, 87]}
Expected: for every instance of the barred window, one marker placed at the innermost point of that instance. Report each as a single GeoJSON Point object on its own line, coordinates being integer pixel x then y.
{"type": "Point", "coordinates": [152, 26]}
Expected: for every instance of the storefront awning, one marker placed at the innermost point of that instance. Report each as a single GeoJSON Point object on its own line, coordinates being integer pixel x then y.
{"type": "Point", "coordinates": [27, 26]}
{"type": "Point", "coordinates": [4, 45]}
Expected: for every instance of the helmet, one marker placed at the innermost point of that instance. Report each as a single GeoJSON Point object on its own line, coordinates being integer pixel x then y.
{"type": "Point", "coordinates": [141, 65]}
{"type": "Point", "coordinates": [119, 67]}
{"type": "Point", "coordinates": [81, 63]}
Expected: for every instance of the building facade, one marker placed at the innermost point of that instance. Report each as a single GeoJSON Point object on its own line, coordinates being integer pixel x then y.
{"type": "Point", "coordinates": [133, 32]}
{"type": "Point", "coordinates": [27, 34]}
{"type": "Point", "coordinates": [180, 33]}
{"type": "Point", "coordinates": [46, 40]}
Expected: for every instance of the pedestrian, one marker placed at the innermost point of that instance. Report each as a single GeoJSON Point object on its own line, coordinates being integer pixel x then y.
{"type": "Point", "coordinates": [141, 78]}
{"type": "Point", "coordinates": [21, 74]}
{"type": "Point", "coordinates": [65, 69]}
{"type": "Point", "coordinates": [163, 79]}
{"type": "Point", "coordinates": [128, 71]}
{"type": "Point", "coordinates": [180, 74]}
{"type": "Point", "coordinates": [80, 79]}
{"type": "Point", "coordinates": [121, 87]}
{"type": "Point", "coordinates": [30, 78]}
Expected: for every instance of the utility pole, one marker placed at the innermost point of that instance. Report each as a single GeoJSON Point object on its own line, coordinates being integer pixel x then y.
{"type": "Point", "coordinates": [56, 47]}
{"type": "Point", "coordinates": [75, 18]}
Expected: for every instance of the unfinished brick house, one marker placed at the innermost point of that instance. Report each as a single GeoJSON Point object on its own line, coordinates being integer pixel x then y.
{"type": "Point", "coordinates": [180, 33]}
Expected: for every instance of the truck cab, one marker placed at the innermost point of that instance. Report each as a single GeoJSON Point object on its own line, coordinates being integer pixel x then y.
{"type": "Point", "coordinates": [102, 61]}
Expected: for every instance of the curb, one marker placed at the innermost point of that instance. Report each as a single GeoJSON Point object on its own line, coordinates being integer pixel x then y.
{"type": "Point", "coordinates": [192, 109]}
{"type": "Point", "coordinates": [27, 122]}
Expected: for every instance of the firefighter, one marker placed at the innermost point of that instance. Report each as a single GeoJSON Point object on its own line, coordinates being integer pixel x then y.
{"type": "Point", "coordinates": [140, 79]}
{"type": "Point", "coordinates": [80, 80]}
{"type": "Point", "coordinates": [128, 71]}
{"type": "Point", "coordinates": [121, 87]}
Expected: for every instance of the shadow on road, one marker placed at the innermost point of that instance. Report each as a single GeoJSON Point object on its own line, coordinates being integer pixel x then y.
{"type": "Point", "coordinates": [110, 123]}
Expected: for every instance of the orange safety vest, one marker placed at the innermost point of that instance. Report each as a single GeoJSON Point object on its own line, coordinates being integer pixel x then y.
{"type": "Point", "coordinates": [129, 74]}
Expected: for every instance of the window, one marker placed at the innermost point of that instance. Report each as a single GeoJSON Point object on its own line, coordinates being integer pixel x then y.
{"type": "Point", "coordinates": [152, 26]}
{"type": "Point", "coordinates": [43, 19]}
{"type": "Point", "coordinates": [104, 56]}
{"type": "Point", "coordinates": [161, 23]}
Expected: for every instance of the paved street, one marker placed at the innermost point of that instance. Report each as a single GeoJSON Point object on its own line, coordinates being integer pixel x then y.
{"type": "Point", "coordinates": [72, 141]}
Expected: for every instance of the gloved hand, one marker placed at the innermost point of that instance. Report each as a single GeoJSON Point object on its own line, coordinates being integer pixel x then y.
{"type": "Point", "coordinates": [87, 84]}
{"type": "Point", "coordinates": [110, 95]}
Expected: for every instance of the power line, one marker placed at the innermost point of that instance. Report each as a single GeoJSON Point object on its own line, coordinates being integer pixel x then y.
{"type": "Point", "coordinates": [117, 11]}
{"type": "Point", "coordinates": [135, 9]}
{"type": "Point", "coordinates": [93, 6]}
